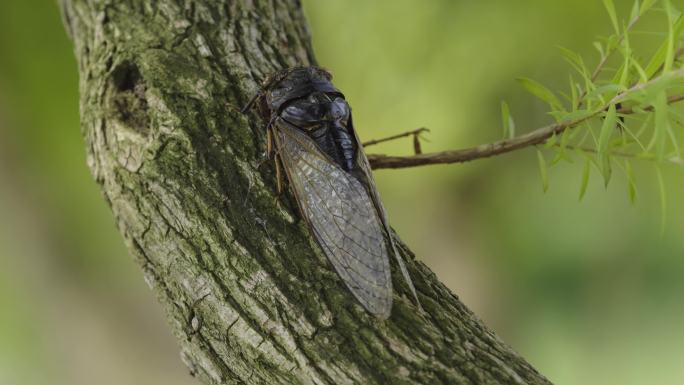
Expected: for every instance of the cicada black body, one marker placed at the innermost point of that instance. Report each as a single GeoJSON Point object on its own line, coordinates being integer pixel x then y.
{"type": "Point", "coordinates": [311, 130]}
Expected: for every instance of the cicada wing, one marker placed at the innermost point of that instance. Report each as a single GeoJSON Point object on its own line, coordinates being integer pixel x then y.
{"type": "Point", "coordinates": [343, 217]}
{"type": "Point", "coordinates": [364, 165]}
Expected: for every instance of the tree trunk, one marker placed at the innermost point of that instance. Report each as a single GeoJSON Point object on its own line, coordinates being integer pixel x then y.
{"type": "Point", "coordinates": [249, 295]}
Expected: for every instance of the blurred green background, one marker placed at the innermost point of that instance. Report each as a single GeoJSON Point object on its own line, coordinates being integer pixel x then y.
{"type": "Point", "coordinates": [589, 292]}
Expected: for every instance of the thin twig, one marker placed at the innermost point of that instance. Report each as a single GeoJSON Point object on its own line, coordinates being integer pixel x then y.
{"type": "Point", "coordinates": [482, 151]}
{"type": "Point", "coordinates": [674, 160]}
{"type": "Point", "coordinates": [533, 138]}
{"type": "Point", "coordinates": [393, 137]}
{"type": "Point", "coordinates": [670, 100]}
{"type": "Point", "coordinates": [677, 56]}
{"type": "Point", "coordinates": [604, 59]}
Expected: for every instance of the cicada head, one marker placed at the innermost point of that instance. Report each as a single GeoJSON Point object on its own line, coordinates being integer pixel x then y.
{"type": "Point", "coordinates": [296, 83]}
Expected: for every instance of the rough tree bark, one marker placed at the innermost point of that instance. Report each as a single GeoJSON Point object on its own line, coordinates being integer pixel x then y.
{"type": "Point", "coordinates": [248, 294]}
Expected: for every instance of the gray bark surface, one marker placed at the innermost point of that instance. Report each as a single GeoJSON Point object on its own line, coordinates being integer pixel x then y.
{"type": "Point", "coordinates": [248, 293]}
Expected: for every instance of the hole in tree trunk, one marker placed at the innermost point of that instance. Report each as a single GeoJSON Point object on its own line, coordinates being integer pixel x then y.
{"type": "Point", "coordinates": [127, 99]}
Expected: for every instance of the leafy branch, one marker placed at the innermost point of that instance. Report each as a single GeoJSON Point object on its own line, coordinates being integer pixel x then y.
{"type": "Point", "coordinates": [625, 112]}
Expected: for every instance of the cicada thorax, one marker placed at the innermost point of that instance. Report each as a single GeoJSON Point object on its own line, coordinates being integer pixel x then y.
{"type": "Point", "coordinates": [325, 119]}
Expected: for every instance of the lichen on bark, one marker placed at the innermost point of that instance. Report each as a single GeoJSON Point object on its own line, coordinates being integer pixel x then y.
{"type": "Point", "coordinates": [248, 293]}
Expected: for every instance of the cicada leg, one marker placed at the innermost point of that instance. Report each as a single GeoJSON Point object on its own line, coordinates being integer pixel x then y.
{"type": "Point", "coordinates": [280, 178]}
{"type": "Point", "coordinates": [270, 145]}
{"type": "Point", "coordinates": [269, 141]}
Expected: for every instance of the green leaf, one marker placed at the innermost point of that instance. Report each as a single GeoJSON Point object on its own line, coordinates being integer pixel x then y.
{"type": "Point", "coordinates": [627, 52]}
{"type": "Point", "coordinates": [635, 12]}
{"type": "Point", "coordinates": [573, 57]}
{"type": "Point", "coordinates": [659, 58]}
{"type": "Point", "coordinates": [631, 185]}
{"type": "Point", "coordinates": [551, 141]}
{"type": "Point", "coordinates": [646, 5]}
{"type": "Point", "coordinates": [562, 153]}
{"type": "Point", "coordinates": [648, 93]}
{"type": "Point", "coordinates": [606, 169]}
{"type": "Point", "coordinates": [599, 48]}
{"type": "Point", "coordinates": [507, 120]}
{"type": "Point", "coordinates": [610, 89]}
{"type": "Point", "coordinates": [576, 61]}
{"type": "Point", "coordinates": [669, 55]}
{"type": "Point", "coordinates": [610, 7]}
{"type": "Point", "coordinates": [673, 139]}
{"type": "Point", "coordinates": [661, 125]}
{"type": "Point", "coordinates": [542, 171]}
{"type": "Point", "coordinates": [585, 177]}
{"type": "Point", "coordinates": [607, 129]}
{"type": "Point", "coordinates": [576, 115]}
{"type": "Point", "coordinates": [574, 94]}
{"type": "Point", "coordinates": [663, 200]}
{"type": "Point", "coordinates": [640, 70]}
{"type": "Point", "coordinates": [541, 92]}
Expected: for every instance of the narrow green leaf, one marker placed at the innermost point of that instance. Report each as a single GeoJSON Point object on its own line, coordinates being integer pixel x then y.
{"type": "Point", "coordinates": [551, 141]}
{"type": "Point", "coordinates": [635, 137]}
{"type": "Point", "coordinates": [576, 115]}
{"type": "Point", "coordinates": [574, 94]}
{"type": "Point", "coordinates": [543, 93]}
{"type": "Point", "coordinates": [669, 55]}
{"type": "Point", "coordinates": [635, 12]}
{"type": "Point", "coordinates": [673, 139]}
{"type": "Point", "coordinates": [627, 52]}
{"type": "Point", "coordinates": [610, 89]}
{"type": "Point", "coordinates": [661, 123]}
{"type": "Point", "coordinates": [542, 171]}
{"type": "Point", "coordinates": [631, 185]}
{"type": "Point", "coordinates": [610, 7]}
{"type": "Point", "coordinates": [611, 43]}
{"type": "Point", "coordinates": [606, 169]}
{"type": "Point", "coordinates": [663, 200]}
{"type": "Point", "coordinates": [507, 120]}
{"type": "Point", "coordinates": [640, 70]}
{"type": "Point", "coordinates": [585, 177]}
{"type": "Point", "coordinates": [646, 5]}
{"type": "Point", "coordinates": [607, 129]}
{"type": "Point", "coordinates": [562, 153]}
{"type": "Point", "coordinates": [572, 56]}
{"type": "Point", "coordinates": [659, 58]}
{"type": "Point", "coordinates": [565, 138]}
{"type": "Point", "coordinates": [576, 61]}
{"type": "Point", "coordinates": [599, 48]}
{"type": "Point", "coordinates": [648, 95]}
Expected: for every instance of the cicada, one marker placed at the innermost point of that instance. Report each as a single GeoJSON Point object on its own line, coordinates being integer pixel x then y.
{"type": "Point", "coordinates": [312, 137]}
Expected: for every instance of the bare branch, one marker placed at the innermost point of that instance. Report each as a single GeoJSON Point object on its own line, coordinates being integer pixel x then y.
{"type": "Point", "coordinates": [535, 137]}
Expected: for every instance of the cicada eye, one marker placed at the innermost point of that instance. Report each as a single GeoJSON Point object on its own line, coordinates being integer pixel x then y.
{"type": "Point", "coordinates": [340, 109]}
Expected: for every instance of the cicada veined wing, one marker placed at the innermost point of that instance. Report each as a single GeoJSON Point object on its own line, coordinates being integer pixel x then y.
{"type": "Point", "coordinates": [342, 214]}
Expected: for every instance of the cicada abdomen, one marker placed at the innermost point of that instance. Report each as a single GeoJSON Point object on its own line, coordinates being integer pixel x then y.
{"type": "Point", "coordinates": [311, 125]}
